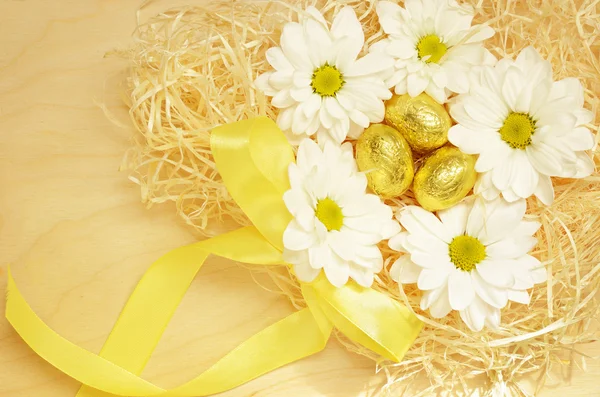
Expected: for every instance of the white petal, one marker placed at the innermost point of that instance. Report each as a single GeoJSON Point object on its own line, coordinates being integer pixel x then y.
{"type": "Point", "coordinates": [296, 238]}
{"type": "Point", "coordinates": [401, 48]}
{"type": "Point", "coordinates": [338, 273]}
{"type": "Point", "coordinates": [539, 275]}
{"type": "Point", "coordinates": [277, 59]}
{"type": "Point", "coordinates": [432, 278]}
{"type": "Point", "coordinates": [483, 33]}
{"type": "Point", "coordinates": [511, 89]}
{"type": "Point", "coordinates": [295, 257]}
{"type": "Point", "coordinates": [474, 316]}
{"type": "Point", "coordinates": [544, 190]}
{"type": "Point", "coordinates": [301, 95]}
{"type": "Point", "coordinates": [526, 178]}
{"type": "Point", "coordinates": [318, 41]}
{"type": "Point", "coordinates": [455, 218]}
{"type": "Point", "coordinates": [496, 154]}
{"type": "Point", "coordinates": [580, 139]}
{"type": "Point", "coordinates": [496, 297]}
{"type": "Point", "coordinates": [585, 165]}
{"type": "Point", "coordinates": [387, 13]}
{"type": "Point", "coordinates": [316, 15]}
{"type": "Point", "coordinates": [334, 108]}
{"type": "Point", "coordinates": [344, 53]}
{"type": "Point", "coordinates": [441, 306]}
{"type": "Point", "coordinates": [416, 84]}
{"type": "Point", "coordinates": [300, 122]}
{"type": "Point", "coordinates": [469, 141]}
{"type": "Point", "coordinates": [490, 112]}
{"type": "Point", "coordinates": [397, 242]}
{"type": "Point", "coordinates": [519, 296]}
{"type": "Point", "coordinates": [343, 246]}
{"type": "Point", "coordinates": [299, 205]}
{"type": "Point", "coordinates": [345, 24]}
{"type": "Point", "coordinates": [308, 155]}
{"type": "Point", "coordinates": [510, 248]}
{"type": "Point", "coordinates": [431, 260]}
{"type": "Point", "coordinates": [495, 273]}
{"type": "Point", "coordinates": [370, 64]}
{"type": "Point", "coordinates": [305, 273]}
{"type": "Point", "coordinates": [427, 243]}
{"type": "Point", "coordinates": [545, 159]}
{"type": "Point", "coordinates": [312, 105]}
{"type": "Point", "coordinates": [460, 289]}
{"type": "Point", "coordinates": [285, 118]}
{"type": "Point", "coordinates": [526, 228]}
{"type": "Point", "coordinates": [459, 77]}
{"type": "Point", "coordinates": [319, 256]}
{"type": "Point", "coordinates": [389, 228]}
{"type": "Point", "coordinates": [414, 7]}
{"type": "Point", "coordinates": [262, 83]}
{"type": "Point", "coordinates": [405, 271]}
{"type": "Point", "coordinates": [417, 220]}
{"type": "Point", "coordinates": [492, 318]}
{"type": "Point", "coordinates": [294, 46]}
{"type": "Point", "coordinates": [500, 219]}
{"type": "Point", "coordinates": [503, 174]}
{"type": "Point", "coordinates": [363, 277]}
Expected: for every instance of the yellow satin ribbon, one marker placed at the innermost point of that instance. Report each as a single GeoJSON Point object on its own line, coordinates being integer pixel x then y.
{"type": "Point", "coordinates": [252, 157]}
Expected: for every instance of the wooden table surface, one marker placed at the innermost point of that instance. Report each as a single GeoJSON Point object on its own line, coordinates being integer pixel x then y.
{"type": "Point", "coordinates": [78, 237]}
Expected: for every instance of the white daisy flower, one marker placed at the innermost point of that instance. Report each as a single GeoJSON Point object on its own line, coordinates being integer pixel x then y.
{"type": "Point", "coordinates": [318, 83]}
{"type": "Point", "coordinates": [434, 45]}
{"type": "Point", "coordinates": [525, 128]}
{"type": "Point", "coordinates": [473, 258]}
{"type": "Point", "coordinates": [336, 225]}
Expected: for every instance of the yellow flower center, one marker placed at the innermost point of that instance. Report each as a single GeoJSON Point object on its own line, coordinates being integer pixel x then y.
{"type": "Point", "coordinates": [466, 252]}
{"type": "Point", "coordinates": [327, 80]}
{"type": "Point", "coordinates": [433, 47]}
{"type": "Point", "coordinates": [517, 130]}
{"type": "Point", "coordinates": [330, 214]}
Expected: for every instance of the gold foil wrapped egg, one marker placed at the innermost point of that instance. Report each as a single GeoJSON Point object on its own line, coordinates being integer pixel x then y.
{"type": "Point", "coordinates": [444, 179]}
{"type": "Point", "coordinates": [385, 156]}
{"type": "Point", "coordinates": [421, 120]}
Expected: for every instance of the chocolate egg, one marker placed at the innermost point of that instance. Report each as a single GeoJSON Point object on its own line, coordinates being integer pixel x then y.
{"type": "Point", "coordinates": [444, 179]}
{"type": "Point", "coordinates": [385, 156]}
{"type": "Point", "coordinates": [421, 120]}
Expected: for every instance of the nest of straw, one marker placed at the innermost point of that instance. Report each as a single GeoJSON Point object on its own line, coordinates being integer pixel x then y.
{"type": "Point", "coordinates": [192, 69]}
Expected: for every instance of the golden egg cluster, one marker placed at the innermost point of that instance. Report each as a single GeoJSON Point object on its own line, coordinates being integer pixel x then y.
{"type": "Point", "coordinates": [416, 125]}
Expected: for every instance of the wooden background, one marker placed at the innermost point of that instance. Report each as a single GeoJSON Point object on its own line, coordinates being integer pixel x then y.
{"type": "Point", "coordinates": [79, 239]}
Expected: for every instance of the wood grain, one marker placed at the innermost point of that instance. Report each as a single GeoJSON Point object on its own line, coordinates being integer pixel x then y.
{"type": "Point", "coordinates": [79, 239]}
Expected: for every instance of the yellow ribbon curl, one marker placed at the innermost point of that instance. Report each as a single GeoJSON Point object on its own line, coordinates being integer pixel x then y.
{"type": "Point", "coordinates": [252, 157]}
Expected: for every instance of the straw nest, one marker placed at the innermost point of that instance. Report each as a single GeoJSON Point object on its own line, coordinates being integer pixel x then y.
{"type": "Point", "coordinates": [192, 69]}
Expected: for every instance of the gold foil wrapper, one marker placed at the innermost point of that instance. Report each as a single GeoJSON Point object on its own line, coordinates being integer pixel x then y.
{"type": "Point", "coordinates": [444, 179]}
{"type": "Point", "coordinates": [385, 156]}
{"type": "Point", "coordinates": [421, 120]}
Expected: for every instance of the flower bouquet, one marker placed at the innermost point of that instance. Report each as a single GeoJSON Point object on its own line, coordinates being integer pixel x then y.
{"type": "Point", "coordinates": [417, 177]}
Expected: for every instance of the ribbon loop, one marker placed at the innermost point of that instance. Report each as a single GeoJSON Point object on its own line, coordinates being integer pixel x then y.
{"type": "Point", "coordinates": [252, 157]}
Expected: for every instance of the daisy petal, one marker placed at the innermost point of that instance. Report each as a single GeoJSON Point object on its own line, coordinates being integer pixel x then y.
{"type": "Point", "coordinates": [405, 271]}
{"type": "Point", "coordinates": [496, 297]}
{"type": "Point", "coordinates": [338, 274]}
{"type": "Point", "coordinates": [306, 273]}
{"type": "Point", "coordinates": [417, 220]}
{"type": "Point", "coordinates": [495, 273]}
{"type": "Point", "coordinates": [455, 218]}
{"type": "Point", "coordinates": [296, 238]}
{"type": "Point", "coordinates": [460, 289]}
{"type": "Point", "coordinates": [519, 296]}
{"type": "Point", "coordinates": [544, 190]}
{"type": "Point", "coordinates": [441, 306]}
{"type": "Point", "coordinates": [474, 316]}
{"type": "Point", "coordinates": [432, 278]}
